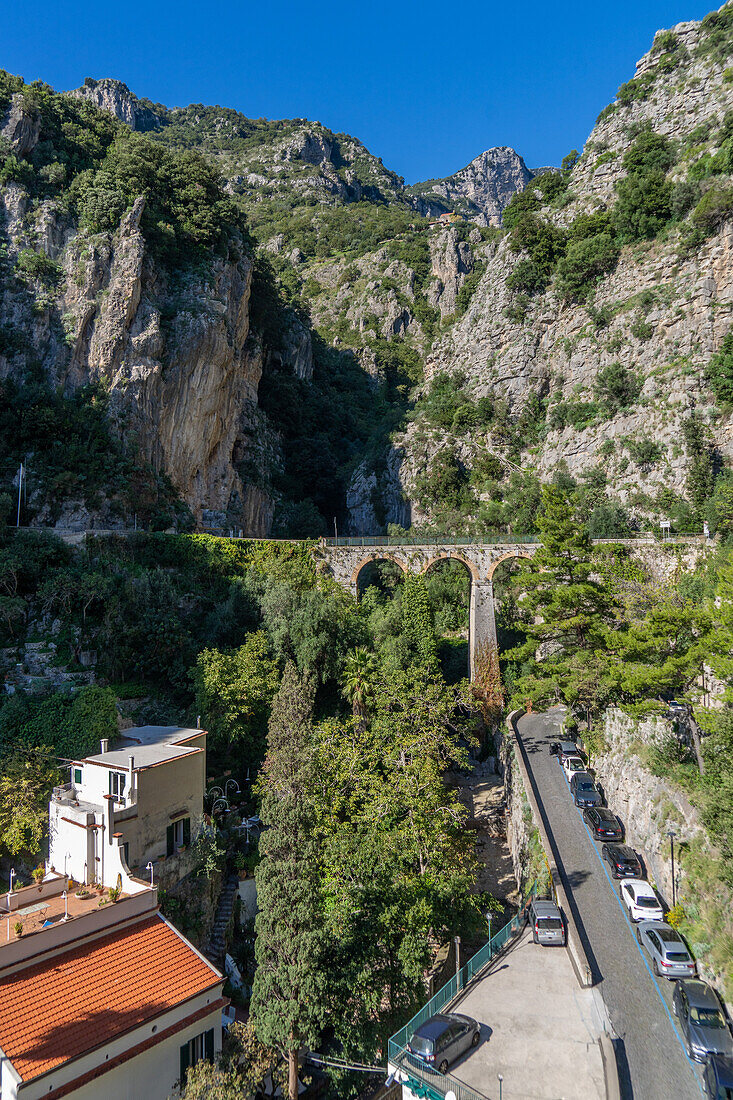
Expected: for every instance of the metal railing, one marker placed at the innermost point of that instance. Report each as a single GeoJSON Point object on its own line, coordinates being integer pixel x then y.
{"type": "Point", "coordinates": [431, 540]}
{"type": "Point", "coordinates": [398, 1054]}
{"type": "Point", "coordinates": [433, 1085]}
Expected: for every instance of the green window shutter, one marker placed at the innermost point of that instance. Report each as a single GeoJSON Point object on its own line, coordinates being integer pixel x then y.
{"type": "Point", "coordinates": [209, 1044]}
{"type": "Point", "coordinates": [187, 831]}
{"type": "Point", "coordinates": [185, 1060]}
{"type": "Point", "coordinates": [169, 841]}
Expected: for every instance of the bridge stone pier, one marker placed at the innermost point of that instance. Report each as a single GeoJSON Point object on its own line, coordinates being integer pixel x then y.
{"type": "Point", "coordinates": [346, 559]}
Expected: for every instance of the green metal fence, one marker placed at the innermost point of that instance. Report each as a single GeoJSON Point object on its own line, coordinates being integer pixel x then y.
{"type": "Point", "coordinates": [399, 1056]}
{"type": "Point", "coordinates": [430, 540]}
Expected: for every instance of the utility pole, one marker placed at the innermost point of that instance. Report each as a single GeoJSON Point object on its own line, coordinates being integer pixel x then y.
{"type": "Point", "coordinates": [20, 486]}
{"type": "Point", "coordinates": [335, 529]}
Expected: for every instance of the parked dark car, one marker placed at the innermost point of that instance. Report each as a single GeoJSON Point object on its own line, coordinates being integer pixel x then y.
{"type": "Point", "coordinates": [717, 1077]}
{"type": "Point", "coordinates": [622, 860]}
{"type": "Point", "coordinates": [583, 789]}
{"type": "Point", "coordinates": [563, 748]}
{"type": "Point", "coordinates": [670, 955]}
{"type": "Point", "coordinates": [603, 823]}
{"type": "Point", "coordinates": [702, 1021]}
{"type": "Point", "coordinates": [443, 1038]}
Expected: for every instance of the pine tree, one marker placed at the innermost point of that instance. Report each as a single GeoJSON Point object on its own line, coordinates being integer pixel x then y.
{"type": "Point", "coordinates": [288, 991]}
{"type": "Point", "coordinates": [568, 608]}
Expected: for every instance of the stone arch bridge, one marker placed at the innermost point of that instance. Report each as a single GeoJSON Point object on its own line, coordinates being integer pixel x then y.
{"type": "Point", "coordinates": [347, 557]}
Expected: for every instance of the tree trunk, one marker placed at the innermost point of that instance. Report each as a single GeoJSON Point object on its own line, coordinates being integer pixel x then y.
{"type": "Point", "coordinates": [293, 1073]}
{"type": "Point", "coordinates": [697, 743]}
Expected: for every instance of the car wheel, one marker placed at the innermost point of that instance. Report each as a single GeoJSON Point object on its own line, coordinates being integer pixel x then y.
{"type": "Point", "coordinates": [535, 937]}
{"type": "Point", "coordinates": [476, 1039]}
{"type": "Point", "coordinates": [655, 968]}
{"type": "Point", "coordinates": [443, 1067]}
{"type": "Point", "coordinates": [638, 935]}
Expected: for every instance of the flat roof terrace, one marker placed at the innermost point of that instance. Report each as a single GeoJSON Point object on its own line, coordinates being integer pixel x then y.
{"type": "Point", "coordinates": [37, 913]}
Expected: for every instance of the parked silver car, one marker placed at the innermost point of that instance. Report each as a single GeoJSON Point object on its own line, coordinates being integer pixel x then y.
{"type": "Point", "coordinates": [702, 1022]}
{"type": "Point", "coordinates": [547, 924]}
{"type": "Point", "coordinates": [443, 1038]}
{"type": "Point", "coordinates": [667, 950]}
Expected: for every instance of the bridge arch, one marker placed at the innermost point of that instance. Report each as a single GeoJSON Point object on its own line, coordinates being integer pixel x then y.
{"type": "Point", "coordinates": [512, 555]}
{"type": "Point", "coordinates": [450, 555]}
{"type": "Point", "coordinates": [382, 555]}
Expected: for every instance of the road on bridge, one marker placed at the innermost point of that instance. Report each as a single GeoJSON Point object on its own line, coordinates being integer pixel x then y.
{"type": "Point", "coordinates": [652, 1062]}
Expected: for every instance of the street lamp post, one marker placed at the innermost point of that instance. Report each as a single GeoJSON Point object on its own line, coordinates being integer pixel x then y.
{"type": "Point", "coordinates": [672, 834]}
{"type": "Point", "coordinates": [501, 1082]}
{"type": "Point", "coordinates": [149, 867]}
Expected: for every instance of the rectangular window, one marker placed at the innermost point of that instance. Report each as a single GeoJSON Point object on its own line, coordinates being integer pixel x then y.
{"type": "Point", "coordinates": [201, 1046]}
{"type": "Point", "coordinates": [117, 782]}
{"type": "Point", "coordinates": [177, 835]}
{"type": "Point", "coordinates": [77, 777]}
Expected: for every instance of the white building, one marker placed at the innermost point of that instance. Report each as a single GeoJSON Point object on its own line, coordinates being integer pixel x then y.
{"type": "Point", "coordinates": [140, 802]}
{"type": "Point", "coordinates": [100, 999]}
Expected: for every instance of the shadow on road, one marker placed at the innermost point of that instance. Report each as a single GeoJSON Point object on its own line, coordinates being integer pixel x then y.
{"type": "Point", "coordinates": [577, 878]}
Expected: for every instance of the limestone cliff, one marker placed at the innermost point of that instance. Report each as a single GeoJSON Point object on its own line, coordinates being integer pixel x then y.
{"type": "Point", "coordinates": [480, 191]}
{"type": "Point", "coordinates": [171, 349]}
{"type": "Point", "coordinates": [659, 314]}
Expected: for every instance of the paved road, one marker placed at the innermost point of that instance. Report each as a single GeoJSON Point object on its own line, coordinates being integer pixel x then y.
{"type": "Point", "coordinates": [652, 1062]}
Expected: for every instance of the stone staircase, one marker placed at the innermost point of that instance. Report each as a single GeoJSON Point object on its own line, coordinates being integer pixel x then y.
{"type": "Point", "coordinates": [215, 949]}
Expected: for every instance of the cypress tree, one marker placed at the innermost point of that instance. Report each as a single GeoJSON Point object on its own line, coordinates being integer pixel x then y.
{"type": "Point", "coordinates": [288, 992]}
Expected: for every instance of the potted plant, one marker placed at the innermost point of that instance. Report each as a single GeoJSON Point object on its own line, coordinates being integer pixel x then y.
{"type": "Point", "coordinates": [114, 893]}
{"type": "Point", "coordinates": [240, 864]}
{"type": "Point", "coordinates": [18, 928]}
{"type": "Point", "coordinates": [38, 874]}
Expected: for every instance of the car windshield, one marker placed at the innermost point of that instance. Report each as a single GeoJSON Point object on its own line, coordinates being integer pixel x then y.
{"type": "Point", "coordinates": [421, 1045]}
{"type": "Point", "coordinates": [549, 922]}
{"type": "Point", "coordinates": [585, 785]}
{"type": "Point", "coordinates": [707, 1017]}
{"type": "Point", "coordinates": [576, 765]}
{"type": "Point", "coordinates": [668, 935]}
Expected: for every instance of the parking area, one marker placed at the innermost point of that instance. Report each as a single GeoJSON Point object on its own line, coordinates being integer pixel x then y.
{"type": "Point", "coordinates": [539, 1030]}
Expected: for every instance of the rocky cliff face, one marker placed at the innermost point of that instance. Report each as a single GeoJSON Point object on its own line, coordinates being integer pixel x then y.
{"type": "Point", "coordinates": [480, 191]}
{"type": "Point", "coordinates": [116, 98]}
{"type": "Point", "coordinates": [660, 314]}
{"type": "Point", "coordinates": [173, 351]}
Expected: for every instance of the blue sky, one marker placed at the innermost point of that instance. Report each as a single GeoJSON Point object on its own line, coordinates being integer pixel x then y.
{"type": "Point", "coordinates": [426, 86]}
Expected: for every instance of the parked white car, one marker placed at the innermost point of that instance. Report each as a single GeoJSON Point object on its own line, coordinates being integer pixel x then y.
{"type": "Point", "coordinates": [641, 900]}
{"type": "Point", "coordinates": [573, 764]}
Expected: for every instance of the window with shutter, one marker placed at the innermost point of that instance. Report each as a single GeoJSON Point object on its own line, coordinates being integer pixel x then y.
{"type": "Point", "coordinates": [187, 831]}
{"type": "Point", "coordinates": [209, 1044]}
{"type": "Point", "coordinates": [185, 1060]}
{"type": "Point", "coordinates": [170, 846]}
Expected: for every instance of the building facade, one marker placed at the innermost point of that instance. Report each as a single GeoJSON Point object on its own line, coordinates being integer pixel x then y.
{"type": "Point", "coordinates": [126, 807]}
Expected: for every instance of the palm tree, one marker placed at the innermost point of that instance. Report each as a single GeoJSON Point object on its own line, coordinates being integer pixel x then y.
{"type": "Point", "coordinates": [357, 681]}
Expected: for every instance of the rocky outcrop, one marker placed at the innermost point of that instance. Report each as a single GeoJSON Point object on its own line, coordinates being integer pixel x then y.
{"type": "Point", "coordinates": [20, 127]}
{"type": "Point", "coordinates": [480, 191]}
{"type": "Point", "coordinates": [116, 98]}
{"type": "Point", "coordinates": [173, 352]}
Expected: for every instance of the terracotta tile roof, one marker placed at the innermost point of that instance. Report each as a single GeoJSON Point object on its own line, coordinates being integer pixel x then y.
{"type": "Point", "coordinates": [160, 1037]}
{"type": "Point", "coordinates": [59, 1009]}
